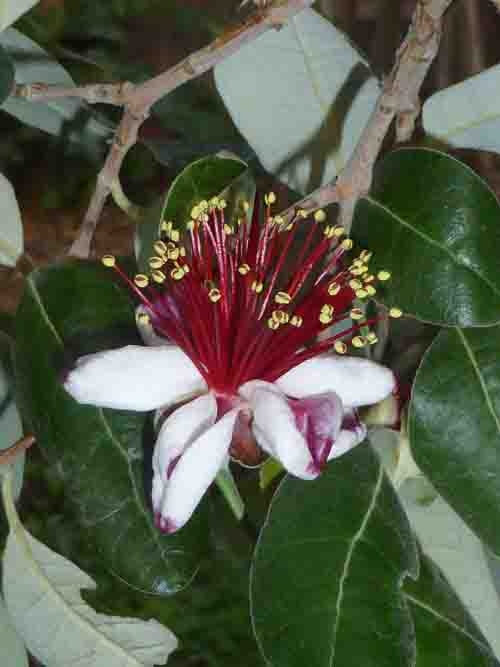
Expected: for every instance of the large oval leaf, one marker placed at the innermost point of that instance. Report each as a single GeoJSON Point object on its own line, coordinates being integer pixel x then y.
{"type": "Point", "coordinates": [328, 567]}
{"type": "Point", "coordinates": [301, 97]}
{"type": "Point", "coordinates": [467, 115]}
{"type": "Point", "coordinates": [43, 595]}
{"type": "Point", "coordinates": [460, 555]}
{"type": "Point", "coordinates": [11, 231]}
{"type": "Point", "coordinates": [443, 627]}
{"type": "Point", "coordinates": [34, 64]}
{"type": "Point", "coordinates": [433, 223]}
{"type": "Point", "coordinates": [98, 452]}
{"type": "Point", "coordinates": [208, 177]}
{"type": "Point", "coordinates": [454, 425]}
{"type": "Point", "coordinates": [11, 10]}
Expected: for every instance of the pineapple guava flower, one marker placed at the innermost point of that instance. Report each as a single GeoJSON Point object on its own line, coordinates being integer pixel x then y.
{"type": "Point", "coordinates": [230, 315]}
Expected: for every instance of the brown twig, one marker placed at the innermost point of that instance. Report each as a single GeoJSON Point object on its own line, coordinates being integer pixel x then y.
{"type": "Point", "coordinates": [10, 454]}
{"type": "Point", "coordinates": [98, 93]}
{"type": "Point", "coordinates": [138, 100]}
{"type": "Point", "coordinates": [398, 101]}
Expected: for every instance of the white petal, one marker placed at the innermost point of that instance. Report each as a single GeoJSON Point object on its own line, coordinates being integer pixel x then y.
{"type": "Point", "coordinates": [184, 425]}
{"type": "Point", "coordinates": [146, 330]}
{"type": "Point", "coordinates": [357, 381]}
{"type": "Point", "coordinates": [195, 471]}
{"type": "Point", "coordinates": [347, 439]}
{"type": "Point", "coordinates": [276, 432]}
{"type": "Point", "coordinates": [134, 378]}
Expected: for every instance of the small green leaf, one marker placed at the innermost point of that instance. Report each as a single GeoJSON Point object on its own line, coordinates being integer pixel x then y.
{"type": "Point", "coordinates": [6, 75]}
{"type": "Point", "coordinates": [454, 425]}
{"type": "Point", "coordinates": [433, 223]}
{"type": "Point", "coordinates": [443, 626]}
{"type": "Point", "coordinates": [67, 308]}
{"type": "Point", "coordinates": [208, 177]}
{"type": "Point", "coordinates": [325, 585]}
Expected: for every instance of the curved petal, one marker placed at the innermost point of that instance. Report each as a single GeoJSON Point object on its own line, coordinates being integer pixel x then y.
{"type": "Point", "coordinates": [194, 473]}
{"type": "Point", "coordinates": [180, 429]}
{"type": "Point", "coordinates": [353, 432]}
{"type": "Point", "coordinates": [357, 381]}
{"type": "Point", "coordinates": [134, 378]}
{"type": "Point", "coordinates": [276, 431]}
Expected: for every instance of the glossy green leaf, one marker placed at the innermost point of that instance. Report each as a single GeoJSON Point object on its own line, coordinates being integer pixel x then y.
{"type": "Point", "coordinates": [6, 75]}
{"type": "Point", "coordinates": [11, 10]}
{"type": "Point", "coordinates": [467, 115]}
{"type": "Point", "coordinates": [11, 428]}
{"type": "Point", "coordinates": [445, 632]}
{"type": "Point", "coordinates": [301, 97]}
{"type": "Point", "coordinates": [34, 65]}
{"type": "Point", "coordinates": [325, 585]}
{"type": "Point", "coordinates": [454, 425]}
{"type": "Point", "coordinates": [67, 309]}
{"type": "Point", "coordinates": [208, 177]}
{"type": "Point", "coordinates": [433, 223]}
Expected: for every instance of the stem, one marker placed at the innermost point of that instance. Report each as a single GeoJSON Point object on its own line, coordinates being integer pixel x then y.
{"type": "Point", "coordinates": [227, 486]}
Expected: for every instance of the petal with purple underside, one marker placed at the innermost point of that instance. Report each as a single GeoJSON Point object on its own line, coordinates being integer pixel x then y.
{"type": "Point", "coordinates": [134, 378]}
{"type": "Point", "coordinates": [352, 433]}
{"type": "Point", "coordinates": [357, 381]}
{"type": "Point", "coordinates": [195, 471]}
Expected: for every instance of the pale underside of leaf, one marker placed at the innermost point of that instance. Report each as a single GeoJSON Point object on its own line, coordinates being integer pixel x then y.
{"type": "Point", "coordinates": [301, 97]}
{"type": "Point", "coordinates": [11, 645]}
{"type": "Point", "coordinates": [467, 115]}
{"type": "Point", "coordinates": [11, 227]}
{"type": "Point", "coordinates": [11, 10]}
{"type": "Point", "coordinates": [43, 596]}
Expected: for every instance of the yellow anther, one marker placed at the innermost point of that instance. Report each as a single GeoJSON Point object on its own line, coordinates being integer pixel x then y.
{"type": "Point", "coordinates": [177, 273]}
{"type": "Point", "coordinates": [158, 276]}
{"type": "Point", "coordinates": [358, 341]}
{"type": "Point", "coordinates": [214, 202]}
{"type": "Point", "coordinates": [302, 213]}
{"type": "Point", "coordinates": [190, 225]}
{"type": "Point", "coordinates": [272, 324]}
{"type": "Point", "coordinates": [228, 229]}
{"type": "Point", "coordinates": [340, 347]}
{"type": "Point", "coordinates": [166, 226]}
{"type": "Point", "coordinates": [195, 212]}
{"type": "Point", "coordinates": [329, 231]}
{"type": "Point", "coordinates": [361, 294]}
{"type": "Point", "coordinates": [156, 262]}
{"type": "Point", "coordinates": [347, 244]}
{"type": "Point", "coordinates": [279, 220]}
{"type": "Point", "coordinates": [395, 312]}
{"type": "Point", "coordinates": [289, 227]}
{"type": "Point", "coordinates": [372, 338]}
{"type": "Point", "coordinates": [243, 269]}
{"type": "Point", "coordinates": [185, 268]}
{"type": "Point", "coordinates": [142, 318]}
{"type": "Point", "coordinates": [283, 298]}
{"type": "Point", "coordinates": [175, 235]}
{"type": "Point", "coordinates": [203, 205]}
{"type": "Point", "coordinates": [327, 308]}
{"type": "Point", "coordinates": [319, 215]}
{"type": "Point", "coordinates": [160, 248]}
{"type": "Point", "coordinates": [371, 290]}
{"type": "Point", "coordinates": [173, 254]}
{"type": "Point", "coordinates": [108, 260]}
{"type": "Point", "coordinates": [296, 321]}
{"type": "Point", "coordinates": [326, 314]}
{"type": "Point", "coordinates": [182, 251]}
{"type": "Point", "coordinates": [384, 275]}
{"type": "Point", "coordinates": [222, 204]}
{"type": "Point", "coordinates": [215, 295]}
{"type": "Point", "coordinates": [270, 198]}
{"type": "Point", "coordinates": [365, 255]}
{"type": "Point", "coordinates": [355, 284]}
{"type": "Point", "coordinates": [281, 316]}
{"type": "Point", "coordinates": [357, 314]}
{"type": "Point", "coordinates": [141, 280]}
{"type": "Point", "coordinates": [257, 286]}
{"type": "Point", "coordinates": [369, 279]}
{"type": "Point", "coordinates": [246, 206]}
{"type": "Point", "coordinates": [357, 270]}
{"type": "Point", "coordinates": [339, 231]}
{"type": "Point", "coordinates": [333, 289]}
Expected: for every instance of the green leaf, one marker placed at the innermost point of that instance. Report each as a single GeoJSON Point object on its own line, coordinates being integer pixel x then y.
{"type": "Point", "coordinates": [454, 425]}
{"type": "Point", "coordinates": [433, 223]}
{"type": "Point", "coordinates": [99, 453]}
{"type": "Point", "coordinates": [11, 428]}
{"type": "Point", "coordinates": [33, 64]}
{"type": "Point", "coordinates": [443, 627]}
{"type": "Point", "coordinates": [11, 10]}
{"type": "Point", "coordinates": [467, 115]}
{"type": "Point", "coordinates": [327, 571]}
{"type": "Point", "coordinates": [460, 556]}
{"type": "Point", "coordinates": [6, 75]}
{"type": "Point", "coordinates": [301, 97]}
{"type": "Point", "coordinates": [10, 642]}
{"type": "Point", "coordinates": [11, 232]}
{"type": "Point", "coordinates": [43, 596]}
{"type": "Point", "coordinates": [208, 177]}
